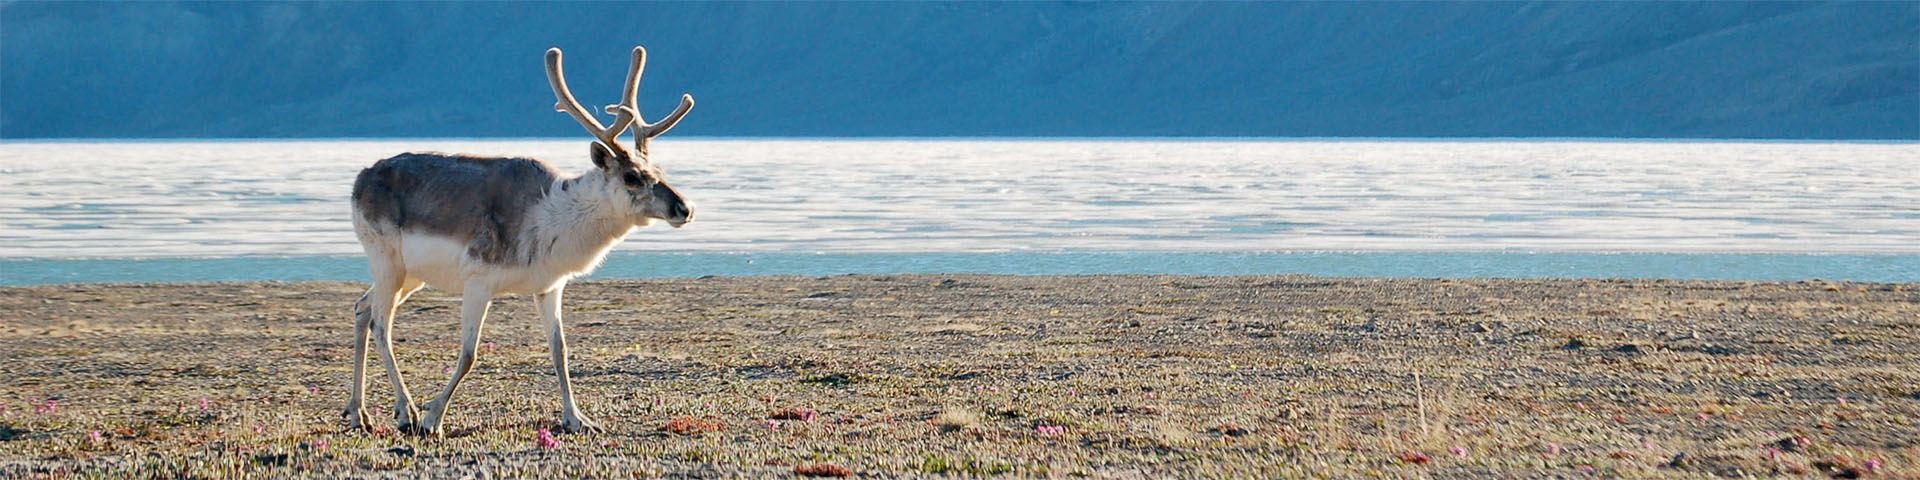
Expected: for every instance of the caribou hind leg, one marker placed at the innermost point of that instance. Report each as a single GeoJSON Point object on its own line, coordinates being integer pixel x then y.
{"type": "Point", "coordinates": [390, 287]}
{"type": "Point", "coordinates": [357, 418]}
{"type": "Point", "coordinates": [356, 411]}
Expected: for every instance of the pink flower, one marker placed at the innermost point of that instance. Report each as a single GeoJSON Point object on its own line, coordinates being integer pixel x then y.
{"type": "Point", "coordinates": [545, 439]}
{"type": "Point", "coordinates": [1872, 465]}
{"type": "Point", "coordinates": [1843, 400]}
{"type": "Point", "coordinates": [773, 424]}
{"type": "Point", "coordinates": [1458, 452]}
{"type": "Point", "coordinates": [1070, 392]}
{"type": "Point", "coordinates": [204, 404]}
{"type": "Point", "coordinates": [1050, 430]}
{"type": "Point", "coordinates": [1702, 416]}
{"type": "Point", "coordinates": [318, 445]}
{"type": "Point", "coordinates": [258, 428]}
{"type": "Point", "coordinates": [1586, 468]}
{"type": "Point", "coordinates": [1553, 448]}
{"type": "Point", "coordinates": [488, 346]}
{"type": "Point", "coordinates": [311, 388]}
{"type": "Point", "coordinates": [48, 407]}
{"type": "Point", "coordinates": [96, 437]}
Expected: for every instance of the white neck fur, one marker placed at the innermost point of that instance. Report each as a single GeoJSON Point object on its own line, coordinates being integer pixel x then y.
{"type": "Point", "coordinates": [576, 224]}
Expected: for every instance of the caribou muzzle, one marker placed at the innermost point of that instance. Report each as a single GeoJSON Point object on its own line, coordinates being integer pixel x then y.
{"type": "Point", "coordinates": [679, 211]}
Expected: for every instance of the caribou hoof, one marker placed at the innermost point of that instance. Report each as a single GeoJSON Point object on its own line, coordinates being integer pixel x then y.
{"type": "Point", "coordinates": [421, 430]}
{"type": "Point", "coordinates": [580, 425]}
{"type": "Point", "coordinates": [357, 419]}
{"type": "Point", "coordinates": [409, 420]}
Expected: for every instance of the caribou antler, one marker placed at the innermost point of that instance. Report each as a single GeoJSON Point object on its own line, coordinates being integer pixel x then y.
{"type": "Point", "coordinates": [566, 103]}
{"type": "Point", "coordinates": [655, 129]}
{"type": "Point", "coordinates": [635, 67]}
{"type": "Point", "coordinates": [626, 113]}
{"type": "Point", "coordinates": [627, 106]}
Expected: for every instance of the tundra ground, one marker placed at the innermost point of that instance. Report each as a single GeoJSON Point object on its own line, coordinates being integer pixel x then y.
{"type": "Point", "coordinates": [936, 375]}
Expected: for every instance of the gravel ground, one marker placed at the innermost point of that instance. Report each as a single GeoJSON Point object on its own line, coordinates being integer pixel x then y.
{"type": "Point", "coordinates": [938, 375]}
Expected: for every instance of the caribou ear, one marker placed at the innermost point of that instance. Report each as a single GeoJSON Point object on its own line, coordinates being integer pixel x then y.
{"type": "Point", "coordinates": [604, 158]}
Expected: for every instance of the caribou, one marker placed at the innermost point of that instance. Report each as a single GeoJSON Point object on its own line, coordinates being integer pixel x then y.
{"type": "Point", "coordinates": [482, 227]}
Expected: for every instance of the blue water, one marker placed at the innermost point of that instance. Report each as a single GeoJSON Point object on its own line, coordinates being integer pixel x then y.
{"type": "Point", "coordinates": [1865, 268]}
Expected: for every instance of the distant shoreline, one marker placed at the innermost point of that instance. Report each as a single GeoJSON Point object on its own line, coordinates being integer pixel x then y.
{"type": "Point", "coordinates": [1868, 267]}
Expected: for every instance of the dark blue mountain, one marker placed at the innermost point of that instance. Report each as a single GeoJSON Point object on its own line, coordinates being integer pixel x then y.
{"type": "Point", "coordinates": [1848, 70]}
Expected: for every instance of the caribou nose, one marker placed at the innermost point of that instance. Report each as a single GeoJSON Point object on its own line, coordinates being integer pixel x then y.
{"type": "Point", "coordinates": [682, 213]}
{"type": "Point", "coordinates": [679, 210]}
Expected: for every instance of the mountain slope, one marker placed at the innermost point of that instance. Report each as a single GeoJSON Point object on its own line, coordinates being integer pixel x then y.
{"type": "Point", "coordinates": [1476, 69]}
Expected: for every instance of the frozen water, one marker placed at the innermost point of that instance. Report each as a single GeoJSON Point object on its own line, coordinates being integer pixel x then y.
{"type": "Point", "coordinates": [289, 198]}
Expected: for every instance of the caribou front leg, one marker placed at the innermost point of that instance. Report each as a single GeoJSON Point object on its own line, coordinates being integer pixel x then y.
{"type": "Point", "coordinates": [473, 314]}
{"type": "Point", "coordinates": [571, 419]}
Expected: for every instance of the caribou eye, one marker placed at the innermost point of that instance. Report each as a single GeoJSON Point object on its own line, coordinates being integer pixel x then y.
{"type": "Point", "coordinates": [632, 179]}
